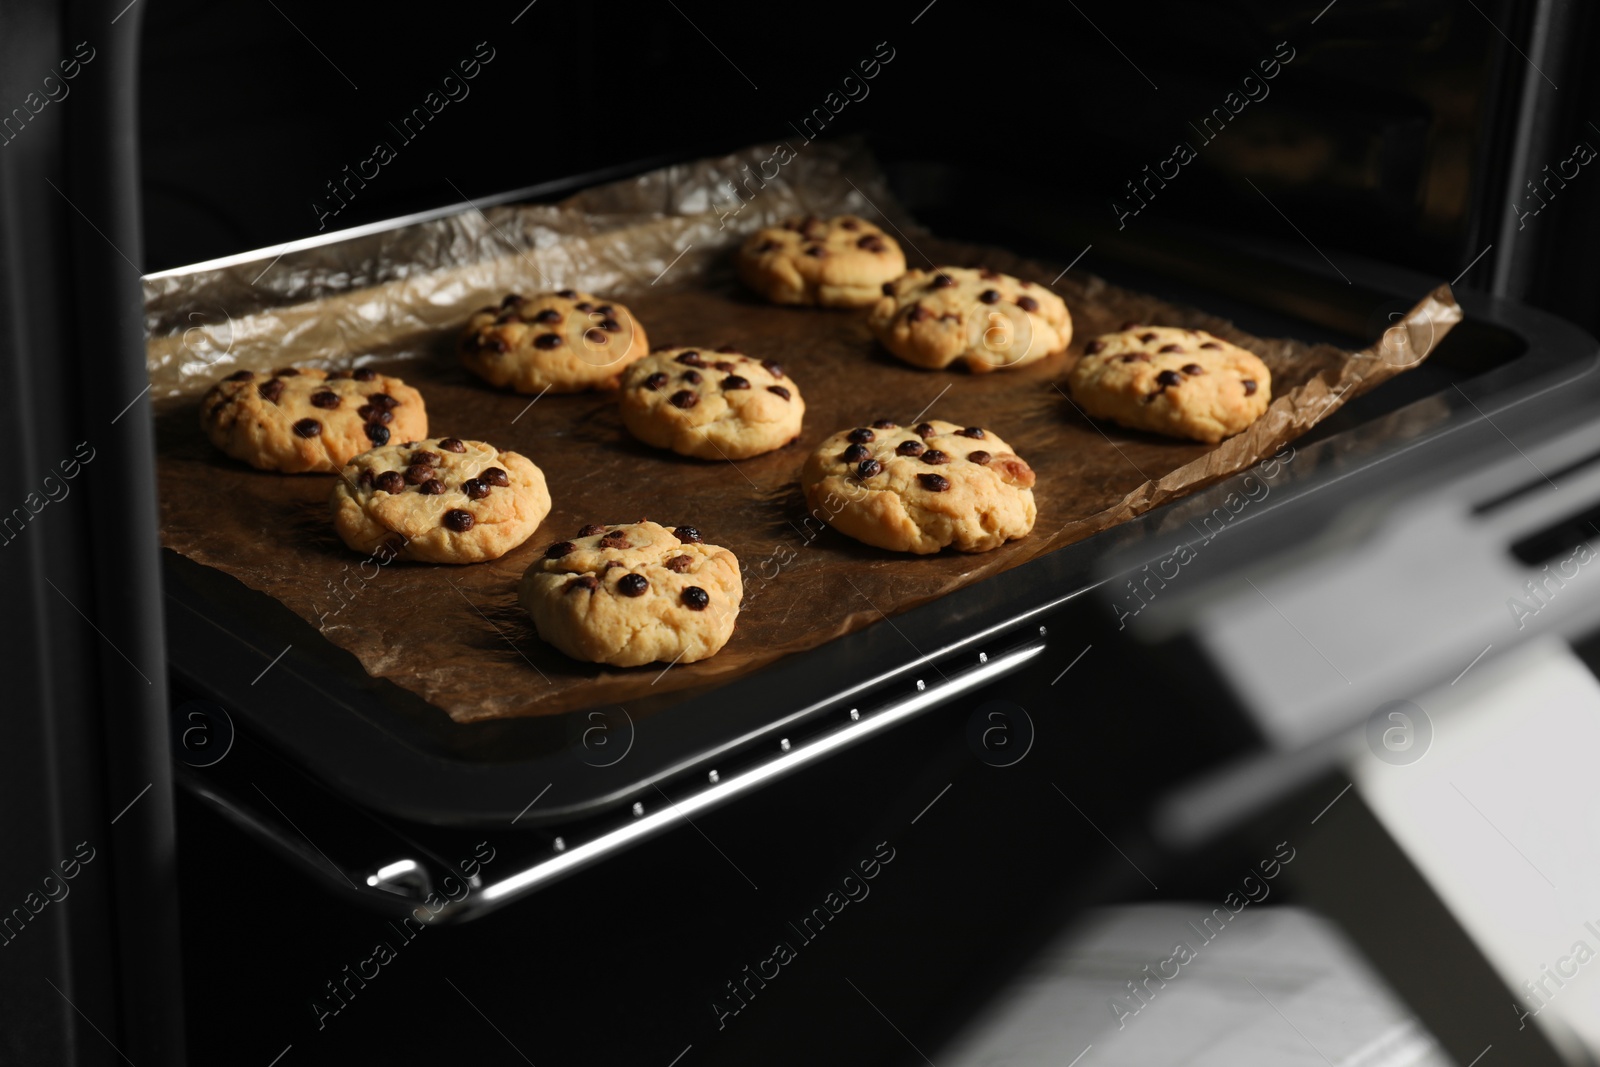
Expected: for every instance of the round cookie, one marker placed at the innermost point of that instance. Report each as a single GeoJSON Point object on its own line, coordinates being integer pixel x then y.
{"type": "Point", "coordinates": [923, 489]}
{"type": "Point", "coordinates": [441, 500]}
{"type": "Point", "coordinates": [985, 319]}
{"type": "Point", "coordinates": [296, 420]}
{"type": "Point", "coordinates": [840, 262]}
{"type": "Point", "coordinates": [711, 405]}
{"type": "Point", "coordinates": [634, 594]}
{"type": "Point", "coordinates": [1183, 383]}
{"type": "Point", "coordinates": [565, 342]}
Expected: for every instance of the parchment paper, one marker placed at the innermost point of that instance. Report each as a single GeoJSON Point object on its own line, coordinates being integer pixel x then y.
{"type": "Point", "coordinates": [455, 635]}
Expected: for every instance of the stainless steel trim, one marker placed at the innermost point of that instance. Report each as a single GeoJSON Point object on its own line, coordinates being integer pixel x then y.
{"type": "Point", "coordinates": [577, 856]}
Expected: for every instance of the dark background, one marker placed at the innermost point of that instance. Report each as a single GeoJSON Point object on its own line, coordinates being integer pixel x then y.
{"type": "Point", "coordinates": [1384, 136]}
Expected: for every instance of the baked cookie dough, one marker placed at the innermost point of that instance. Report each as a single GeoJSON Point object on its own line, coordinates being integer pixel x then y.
{"type": "Point", "coordinates": [296, 420]}
{"type": "Point", "coordinates": [922, 489]}
{"type": "Point", "coordinates": [985, 319]}
{"type": "Point", "coordinates": [440, 500]}
{"type": "Point", "coordinates": [1183, 383]}
{"type": "Point", "coordinates": [711, 405]}
{"type": "Point", "coordinates": [840, 262]}
{"type": "Point", "coordinates": [565, 342]}
{"type": "Point", "coordinates": [634, 594]}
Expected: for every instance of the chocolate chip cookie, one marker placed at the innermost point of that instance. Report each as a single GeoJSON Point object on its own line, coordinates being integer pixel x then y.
{"type": "Point", "coordinates": [708, 404]}
{"type": "Point", "coordinates": [633, 594]}
{"type": "Point", "coordinates": [921, 489]}
{"type": "Point", "coordinates": [565, 342]}
{"type": "Point", "coordinates": [985, 319]}
{"type": "Point", "coordinates": [301, 419]}
{"type": "Point", "coordinates": [1182, 383]}
{"type": "Point", "coordinates": [439, 500]}
{"type": "Point", "coordinates": [839, 262]}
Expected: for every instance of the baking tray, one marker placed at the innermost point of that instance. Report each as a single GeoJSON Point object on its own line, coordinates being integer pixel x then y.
{"type": "Point", "coordinates": [382, 747]}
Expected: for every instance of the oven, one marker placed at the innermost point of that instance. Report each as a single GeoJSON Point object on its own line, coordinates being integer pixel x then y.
{"type": "Point", "coordinates": [279, 855]}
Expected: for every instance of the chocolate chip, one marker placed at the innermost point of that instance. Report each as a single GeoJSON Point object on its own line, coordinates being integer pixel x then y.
{"type": "Point", "coordinates": [457, 520]}
{"type": "Point", "coordinates": [1092, 347]}
{"type": "Point", "coordinates": [377, 433]}
{"type": "Point", "coordinates": [689, 535]}
{"type": "Point", "coordinates": [1193, 369]}
{"type": "Point", "coordinates": [547, 341]}
{"type": "Point", "coordinates": [390, 482]}
{"type": "Point", "coordinates": [888, 288]}
{"type": "Point", "coordinates": [583, 581]}
{"type": "Point", "coordinates": [774, 369]}
{"type": "Point", "coordinates": [474, 489]}
{"type": "Point", "coordinates": [1147, 337]}
{"type": "Point", "coordinates": [849, 224]}
{"type": "Point", "coordinates": [734, 381]}
{"type": "Point", "coordinates": [512, 298]}
{"type": "Point", "coordinates": [974, 432]}
{"type": "Point", "coordinates": [325, 400]}
{"type": "Point", "coordinates": [855, 454]}
{"type": "Point", "coordinates": [424, 456]}
{"type": "Point", "coordinates": [685, 399]}
{"type": "Point", "coordinates": [584, 306]}
{"type": "Point", "coordinates": [365, 478]}
{"type": "Point", "coordinates": [943, 281]}
{"type": "Point", "coordinates": [868, 467]}
{"type": "Point", "coordinates": [860, 435]}
{"type": "Point", "coordinates": [923, 429]}
{"type": "Point", "coordinates": [1169, 377]}
{"type": "Point", "coordinates": [548, 315]}
{"type": "Point", "coordinates": [418, 473]}
{"type": "Point", "coordinates": [1169, 348]}
{"type": "Point", "coordinates": [1209, 344]}
{"type": "Point", "coordinates": [596, 336]}
{"type": "Point", "coordinates": [691, 359]}
{"type": "Point", "coordinates": [559, 549]}
{"type": "Point", "coordinates": [724, 366]}
{"type": "Point", "coordinates": [910, 448]}
{"type": "Point", "coordinates": [990, 296]}
{"type": "Point", "coordinates": [566, 294]}
{"type": "Point", "coordinates": [633, 585]}
{"type": "Point", "coordinates": [308, 428]}
{"type": "Point", "coordinates": [453, 444]}
{"type": "Point", "coordinates": [610, 325]}
{"type": "Point", "coordinates": [779, 390]}
{"type": "Point", "coordinates": [381, 417]}
{"type": "Point", "coordinates": [383, 400]}
{"type": "Point", "coordinates": [766, 246]}
{"type": "Point", "coordinates": [365, 374]}
{"type": "Point", "coordinates": [817, 251]}
{"type": "Point", "coordinates": [286, 372]}
{"type": "Point", "coordinates": [679, 564]}
{"type": "Point", "coordinates": [695, 598]}
{"type": "Point", "coordinates": [918, 313]}
{"type": "Point", "coordinates": [934, 483]}
{"type": "Point", "coordinates": [1249, 387]}
{"type": "Point", "coordinates": [241, 376]}
{"type": "Point", "coordinates": [885, 424]}
{"type": "Point", "coordinates": [431, 487]}
{"type": "Point", "coordinates": [271, 389]}
{"type": "Point", "coordinates": [494, 476]}
{"type": "Point", "coordinates": [1027, 303]}
{"type": "Point", "coordinates": [654, 382]}
{"type": "Point", "coordinates": [872, 243]}
{"type": "Point", "coordinates": [591, 529]}
{"type": "Point", "coordinates": [691, 376]}
{"type": "Point", "coordinates": [979, 457]}
{"type": "Point", "coordinates": [935, 457]}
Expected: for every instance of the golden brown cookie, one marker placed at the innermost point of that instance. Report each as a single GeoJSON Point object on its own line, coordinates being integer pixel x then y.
{"type": "Point", "coordinates": [303, 419]}
{"type": "Point", "coordinates": [923, 489]}
{"type": "Point", "coordinates": [839, 262]}
{"type": "Point", "coordinates": [1183, 383]}
{"type": "Point", "coordinates": [711, 405]}
{"type": "Point", "coordinates": [440, 500]}
{"type": "Point", "coordinates": [634, 594]}
{"type": "Point", "coordinates": [565, 342]}
{"type": "Point", "coordinates": [985, 319]}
